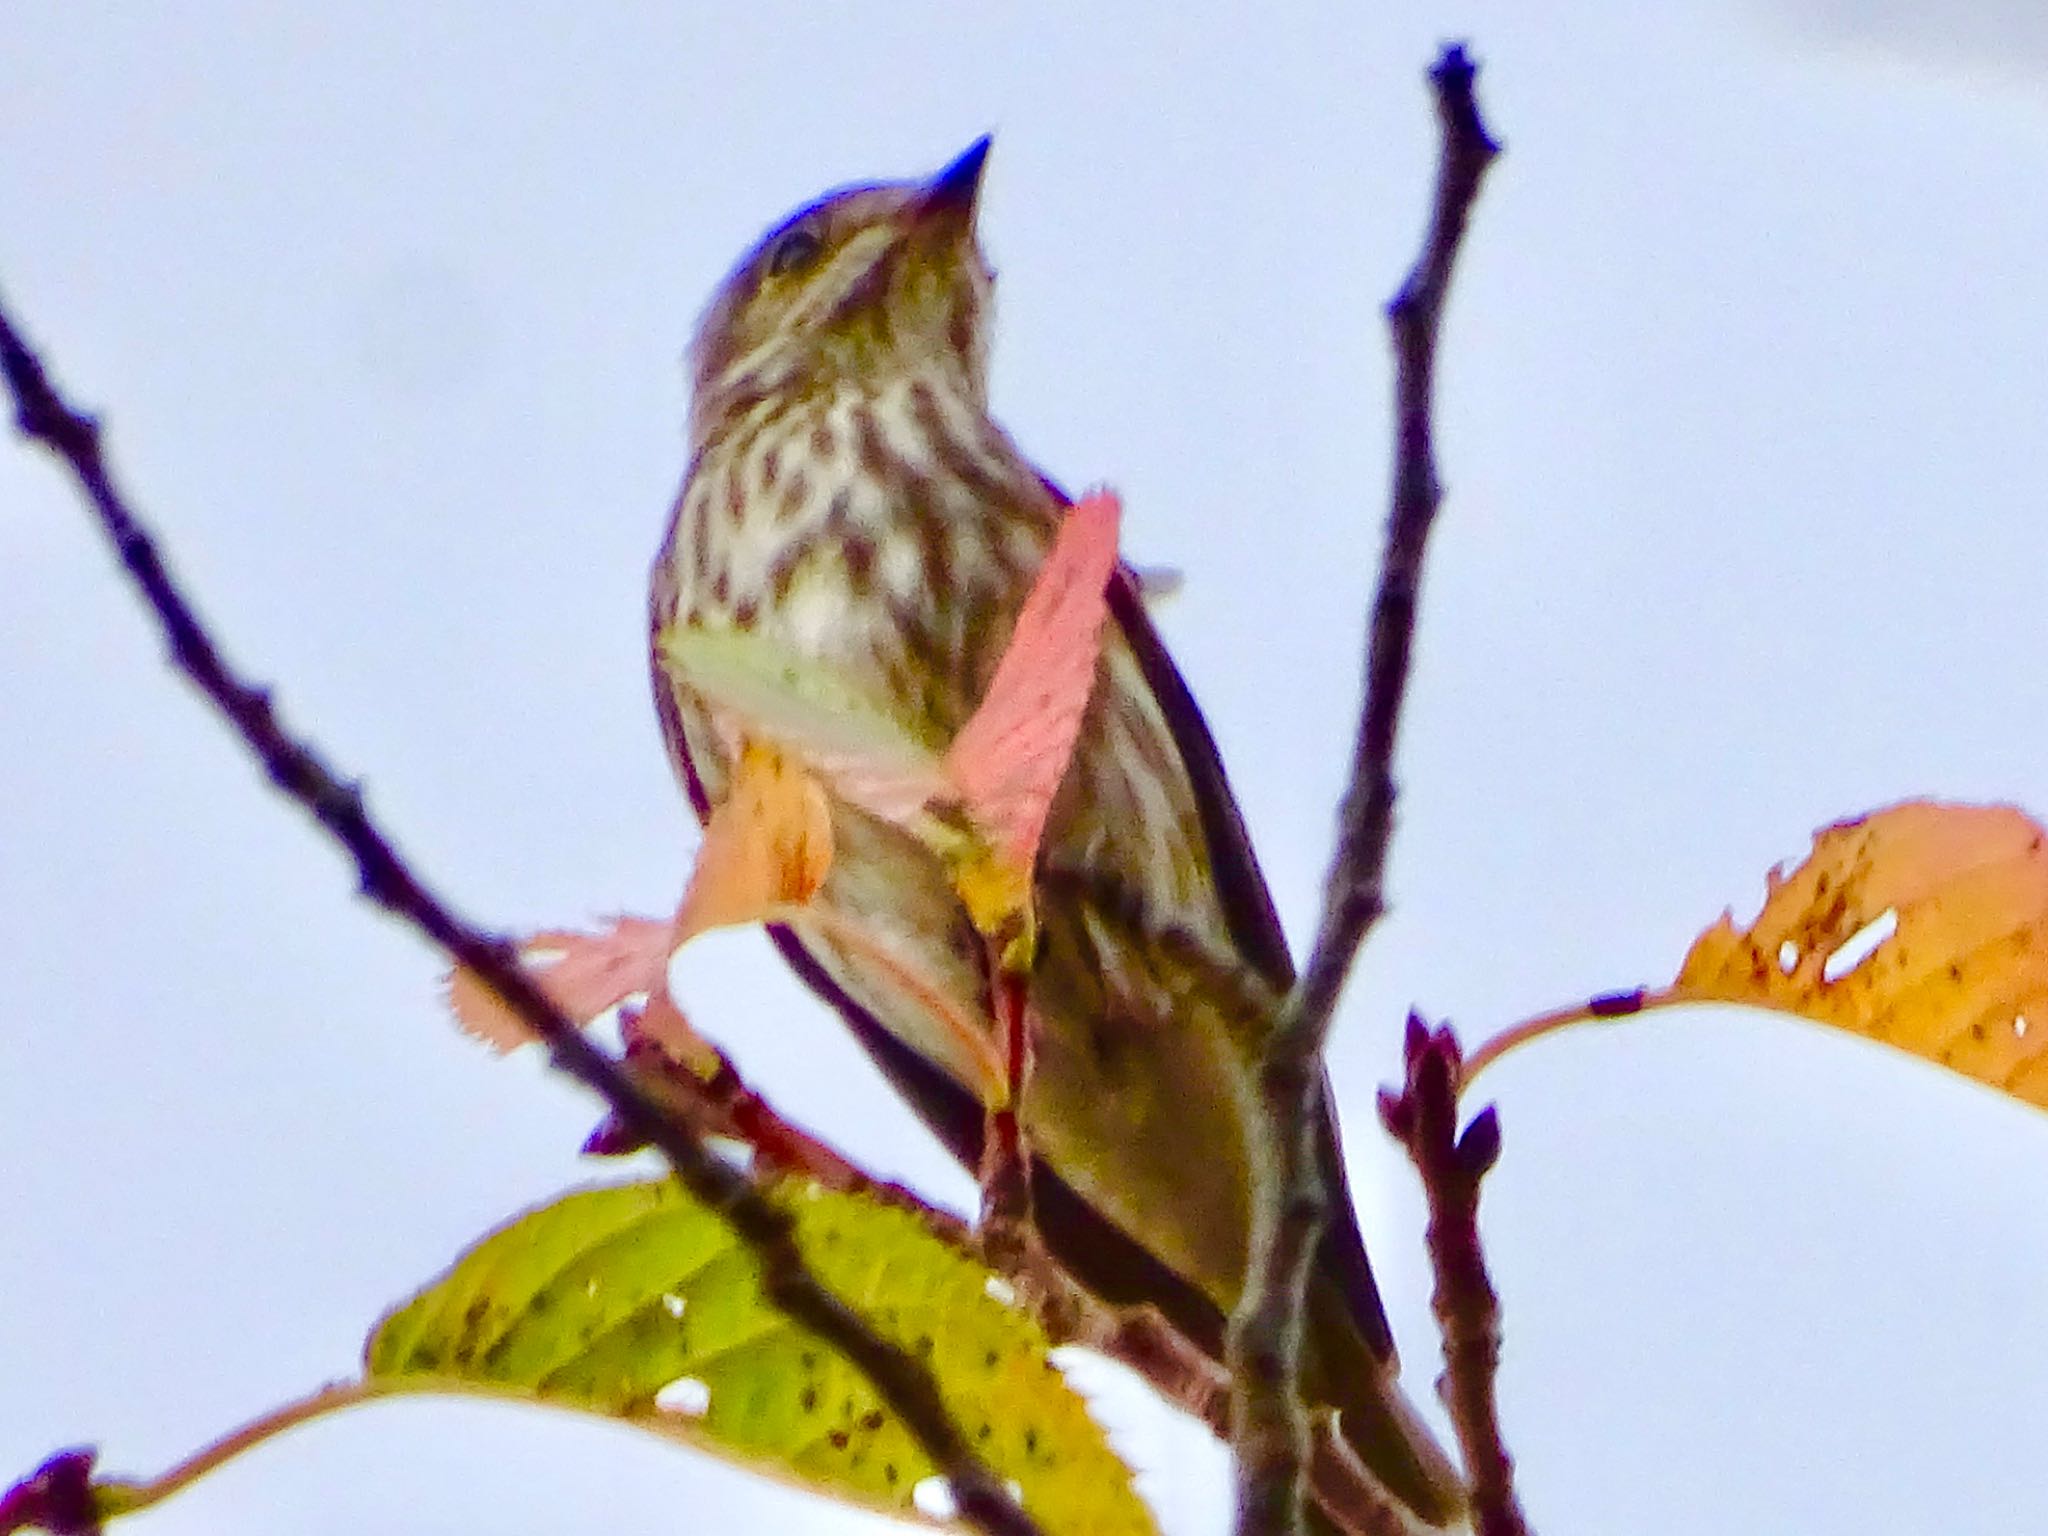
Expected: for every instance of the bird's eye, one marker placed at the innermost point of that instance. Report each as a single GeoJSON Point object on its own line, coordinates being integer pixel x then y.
{"type": "Point", "coordinates": [793, 252]}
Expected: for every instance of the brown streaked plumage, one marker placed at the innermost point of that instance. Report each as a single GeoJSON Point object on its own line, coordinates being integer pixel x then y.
{"type": "Point", "coordinates": [849, 495]}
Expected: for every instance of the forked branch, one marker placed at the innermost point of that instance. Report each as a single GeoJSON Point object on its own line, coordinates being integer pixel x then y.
{"type": "Point", "coordinates": [1270, 1426]}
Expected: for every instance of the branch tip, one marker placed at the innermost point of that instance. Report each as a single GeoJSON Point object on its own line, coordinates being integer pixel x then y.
{"type": "Point", "coordinates": [1270, 1422]}
{"type": "Point", "coordinates": [58, 1496]}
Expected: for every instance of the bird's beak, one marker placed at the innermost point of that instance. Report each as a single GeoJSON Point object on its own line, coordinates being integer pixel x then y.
{"type": "Point", "coordinates": [949, 198]}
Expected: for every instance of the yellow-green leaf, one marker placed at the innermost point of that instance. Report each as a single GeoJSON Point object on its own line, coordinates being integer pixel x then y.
{"type": "Point", "coordinates": [808, 704]}
{"type": "Point", "coordinates": [635, 1302]}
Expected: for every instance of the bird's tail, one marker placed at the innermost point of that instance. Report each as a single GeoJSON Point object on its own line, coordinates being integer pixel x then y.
{"type": "Point", "coordinates": [1379, 1436]}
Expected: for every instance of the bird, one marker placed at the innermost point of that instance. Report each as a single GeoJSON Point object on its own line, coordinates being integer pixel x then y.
{"type": "Point", "coordinates": [850, 498]}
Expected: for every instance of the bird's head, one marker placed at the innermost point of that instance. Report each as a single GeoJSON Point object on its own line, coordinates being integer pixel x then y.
{"type": "Point", "coordinates": [862, 286]}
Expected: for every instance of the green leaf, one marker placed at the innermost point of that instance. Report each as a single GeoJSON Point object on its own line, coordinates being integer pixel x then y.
{"type": "Point", "coordinates": [603, 1298]}
{"type": "Point", "coordinates": [808, 704]}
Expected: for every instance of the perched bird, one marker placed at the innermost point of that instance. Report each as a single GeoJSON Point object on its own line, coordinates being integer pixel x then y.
{"type": "Point", "coordinates": [850, 498]}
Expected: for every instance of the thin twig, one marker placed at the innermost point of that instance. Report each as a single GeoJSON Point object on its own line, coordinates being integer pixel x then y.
{"type": "Point", "coordinates": [1271, 1430]}
{"type": "Point", "coordinates": [1423, 1117]}
{"type": "Point", "coordinates": [387, 881]}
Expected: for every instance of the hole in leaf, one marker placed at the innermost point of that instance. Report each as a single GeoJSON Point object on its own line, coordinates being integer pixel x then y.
{"type": "Point", "coordinates": [2019, 1027]}
{"type": "Point", "coordinates": [999, 1289]}
{"type": "Point", "coordinates": [685, 1395]}
{"type": "Point", "coordinates": [934, 1497]}
{"type": "Point", "coordinates": [1788, 957]}
{"type": "Point", "coordinates": [673, 1304]}
{"type": "Point", "coordinates": [1860, 945]}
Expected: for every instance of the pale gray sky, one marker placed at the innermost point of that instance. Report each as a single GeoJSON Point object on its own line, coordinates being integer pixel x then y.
{"type": "Point", "coordinates": [1743, 405]}
{"type": "Point", "coordinates": [1968, 37]}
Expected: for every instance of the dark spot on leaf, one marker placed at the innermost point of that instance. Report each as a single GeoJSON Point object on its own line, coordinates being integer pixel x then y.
{"type": "Point", "coordinates": [872, 1420]}
{"type": "Point", "coordinates": [840, 1439]}
{"type": "Point", "coordinates": [808, 1400]}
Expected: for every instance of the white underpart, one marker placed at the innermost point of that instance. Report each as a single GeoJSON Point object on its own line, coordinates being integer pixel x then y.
{"type": "Point", "coordinates": [815, 612]}
{"type": "Point", "coordinates": [900, 565]}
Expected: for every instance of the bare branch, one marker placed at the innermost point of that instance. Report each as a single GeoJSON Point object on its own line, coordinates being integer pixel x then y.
{"type": "Point", "coordinates": [1423, 1117]}
{"type": "Point", "coordinates": [1271, 1432]}
{"type": "Point", "coordinates": [388, 882]}
{"type": "Point", "coordinates": [725, 1104]}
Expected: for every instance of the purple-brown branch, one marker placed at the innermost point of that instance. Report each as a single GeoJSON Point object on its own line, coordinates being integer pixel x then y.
{"type": "Point", "coordinates": [725, 1104]}
{"type": "Point", "coordinates": [1423, 1117]}
{"type": "Point", "coordinates": [1271, 1430]}
{"type": "Point", "coordinates": [386, 880]}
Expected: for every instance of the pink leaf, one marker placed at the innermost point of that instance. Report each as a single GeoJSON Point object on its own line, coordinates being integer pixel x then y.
{"type": "Point", "coordinates": [1009, 759]}
{"type": "Point", "coordinates": [585, 973]}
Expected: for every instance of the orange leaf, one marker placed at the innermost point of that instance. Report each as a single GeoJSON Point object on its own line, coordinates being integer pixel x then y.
{"type": "Point", "coordinates": [584, 973]}
{"type": "Point", "coordinates": [1010, 757]}
{"type": "Point", "coordinates": [1961, 980]}
{"type": "Point", "coordinates": [767, 845]}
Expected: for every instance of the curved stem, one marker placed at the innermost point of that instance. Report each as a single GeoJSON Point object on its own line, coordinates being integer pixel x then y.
{"type": "Point", "coordinates": [1605, 1008]}
{"type": "Point", "coordinates": [120, 1496]}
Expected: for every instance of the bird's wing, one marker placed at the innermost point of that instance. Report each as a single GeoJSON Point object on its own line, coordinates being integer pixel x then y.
{"type": "Point", "coordinates": [1255, 925]}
